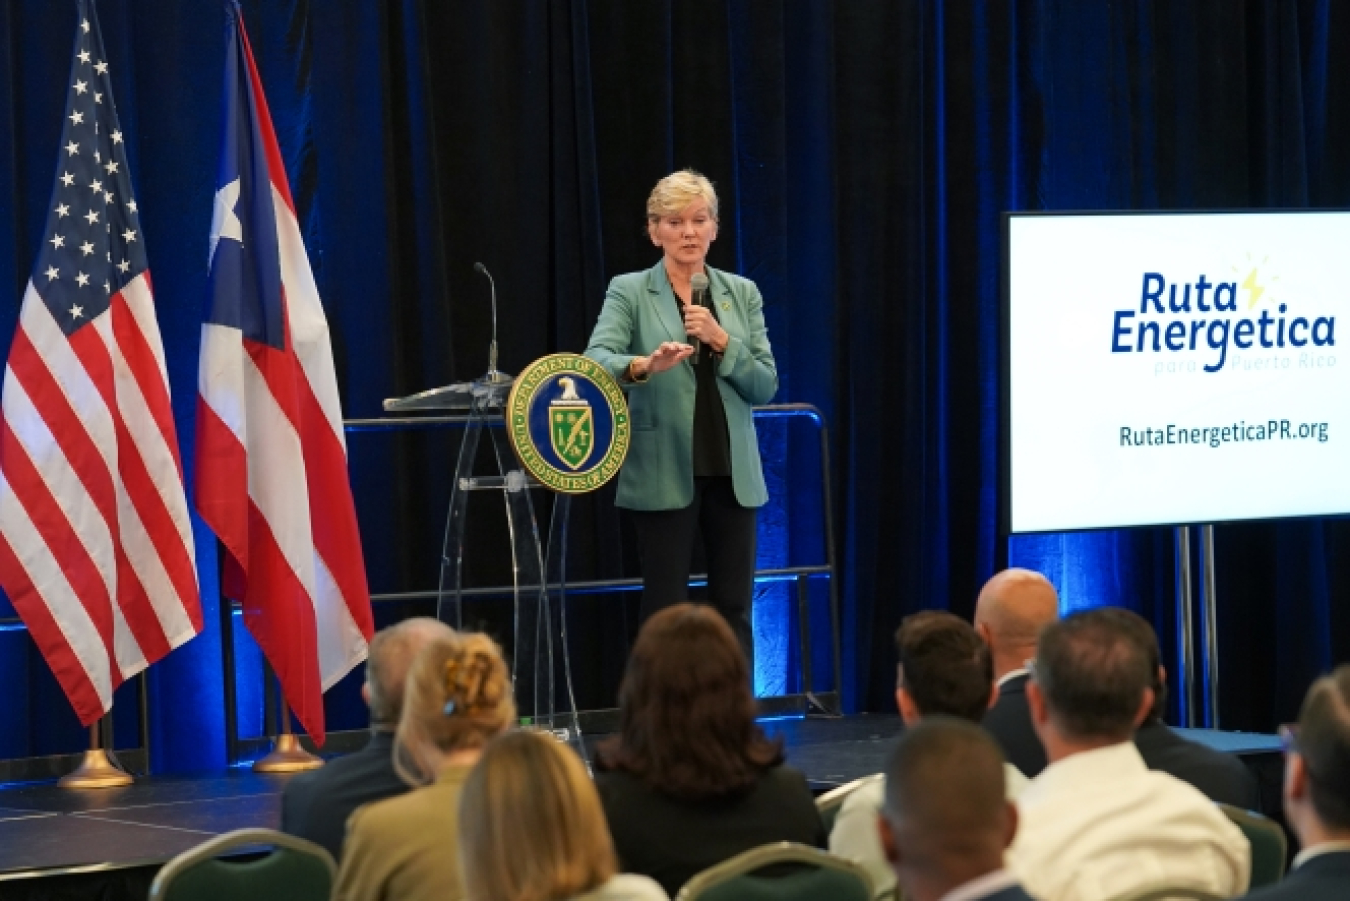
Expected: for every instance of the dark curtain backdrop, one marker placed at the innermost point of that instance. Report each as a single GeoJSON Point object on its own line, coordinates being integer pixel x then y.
{"type": "Point", "coordinates": [863, 150]}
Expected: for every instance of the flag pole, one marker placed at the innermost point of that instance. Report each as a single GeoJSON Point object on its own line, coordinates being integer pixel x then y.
{"type": "Point", "coordinates": [287, 754]}
{"type": "Point", "coordinates": [96, 769]}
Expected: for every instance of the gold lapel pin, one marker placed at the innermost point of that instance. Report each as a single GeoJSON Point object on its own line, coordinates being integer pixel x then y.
{"type": "Point", "coordinates": [726, 307]}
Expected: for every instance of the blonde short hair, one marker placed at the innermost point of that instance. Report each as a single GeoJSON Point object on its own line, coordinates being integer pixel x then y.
{"type": "Point", "coordinates": [676, 191]}
{"type": "Point", "coordinates": [531, 824]}
{"type": "Point", "coordinates": [457, 697]}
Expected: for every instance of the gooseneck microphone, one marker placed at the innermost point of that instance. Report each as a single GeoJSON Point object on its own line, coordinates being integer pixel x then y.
{"type": "Point", "coordinates": [492, 374]}
{"type": "Point", "coordinates": [698, 297]}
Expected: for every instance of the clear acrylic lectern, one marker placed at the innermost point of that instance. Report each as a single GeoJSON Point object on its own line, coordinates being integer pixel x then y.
{"type": "Point", "coordinates": [538, 621]}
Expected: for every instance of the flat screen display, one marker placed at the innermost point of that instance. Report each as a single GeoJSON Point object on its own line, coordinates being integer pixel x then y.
{"type": "Point", "coordinates": [1168, 368]}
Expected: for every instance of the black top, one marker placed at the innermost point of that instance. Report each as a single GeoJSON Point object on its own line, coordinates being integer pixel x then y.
{"type": "Point", "coordinates": [1223, 778]}
{"type": "Point", "coordinates": [1009, 722]}
{"type": "Point", "coordinates": [712, 438]}
{"type": "Point", "coordinates": [316, 805]}
{"type": "Point", "coordinates": [671, 840]}
{"type": "Point", "coordinates": [1324, 878]}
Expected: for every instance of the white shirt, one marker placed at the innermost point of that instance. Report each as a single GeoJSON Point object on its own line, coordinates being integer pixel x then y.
{"type": "Point", "coordinates": [983, 887]}
{"type": "Point", "coordinates": [1100, 824]}
{"type": "Point", "coordinates": [626, 887]}
{"type": "Point", "coordinates": [1312, 851]}
{"type": "Point", "coordinates": [855, 835]}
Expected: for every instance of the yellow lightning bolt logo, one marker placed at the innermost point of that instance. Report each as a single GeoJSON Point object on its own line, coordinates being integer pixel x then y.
{"type": "Point", "coordinates": [1256, 290]}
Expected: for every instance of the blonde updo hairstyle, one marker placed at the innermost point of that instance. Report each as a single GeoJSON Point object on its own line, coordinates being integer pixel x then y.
{"type": "Point", "coordinates": [531, 825]}
{"type": "Point", "coordinates": [457, 698]}
{"type": "Point", "coordinates": [676, 191]}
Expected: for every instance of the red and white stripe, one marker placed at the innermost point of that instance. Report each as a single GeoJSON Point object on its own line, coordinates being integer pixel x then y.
{"type": "Point", "coordinates": [271, 479]}
{"type": "Point", "coordinates": [96, 549]}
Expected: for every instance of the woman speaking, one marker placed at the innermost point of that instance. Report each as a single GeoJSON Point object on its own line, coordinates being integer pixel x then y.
{"type": "Point", "coordinates": [688, 343]}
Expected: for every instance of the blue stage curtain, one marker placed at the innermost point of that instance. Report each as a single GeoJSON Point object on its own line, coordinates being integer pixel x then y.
{"type": "Point", "coordinates": [863, 151]}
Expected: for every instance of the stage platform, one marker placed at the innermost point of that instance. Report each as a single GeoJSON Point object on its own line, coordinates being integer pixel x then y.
{"type": "Point", "coordinates": [109, 843]}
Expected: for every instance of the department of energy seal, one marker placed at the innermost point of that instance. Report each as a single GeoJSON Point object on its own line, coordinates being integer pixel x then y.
{"type": "Point", "coordinates": [567, 420]}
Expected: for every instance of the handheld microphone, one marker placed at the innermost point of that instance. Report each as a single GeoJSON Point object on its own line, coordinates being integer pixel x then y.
{"type": "Point", "coordinates": [698, 297]}
{"type": "Point", "coordinates": [492, 374]}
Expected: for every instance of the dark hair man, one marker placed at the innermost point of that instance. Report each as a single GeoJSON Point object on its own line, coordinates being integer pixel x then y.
{"type": "Point", "coordinates": [1317, 794]}
{"type": "Point", "coordinates": [1222, 778]}
{"type": "Point", "coordinates": [946, 820]}
{"type": "Point", "coordinates": [316, 805]}
{"type": "Point", "coordinates": [944, 669]}
{"type": "Point", "coordinates": [1010, 612]}
{"type": "Point", "coordinates": [1097, 823]}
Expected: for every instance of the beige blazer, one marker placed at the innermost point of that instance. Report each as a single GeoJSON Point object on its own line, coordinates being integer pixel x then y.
{"type": "Point", "coordinates": [405, 847]}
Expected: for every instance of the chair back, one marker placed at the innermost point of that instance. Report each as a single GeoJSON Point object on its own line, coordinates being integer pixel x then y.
{"type": "Point", "coordinates": [1269, 844]}
{"type": "Point", "coordinates": [801, 873]}
{"type": "Point", "coordinates": [1170, 893]}
{"type": "Point", "coordinates": [293, 870]}
{"type": "Point", "coordinates": [829, 804]}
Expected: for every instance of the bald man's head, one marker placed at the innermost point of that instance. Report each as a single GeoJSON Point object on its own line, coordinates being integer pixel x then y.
{"type": "Point", "coordinates": [391, 653]}
{"type": "Point", "coordinates": [1012, 609]}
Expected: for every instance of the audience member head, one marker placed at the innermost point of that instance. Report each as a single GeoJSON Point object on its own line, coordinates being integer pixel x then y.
{"type": "Point", "coordinates": [687, 716]}
{"type": "Point", "coordinates": [457, 699]}
{"type": "Point", "coordinates": [1091, 684]}
{"type": "Point", "coordinates": [944, 668]}
{"type": "Point", "coordinates": [391, 654]}
{"type": "Point", "coordinates": [1012, 609]}
{"type": "Point", "coordinates": [531, 824]}
{"type": "Point", "coordinates": [1317, 766]}
{"type": "Point", "coordinates": [946, 819]}
{"type": "Point", "coordinates": [1141, 632]}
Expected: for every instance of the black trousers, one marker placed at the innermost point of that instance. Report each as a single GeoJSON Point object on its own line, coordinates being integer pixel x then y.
{"type": "Point", "coordinates": [666, 544]}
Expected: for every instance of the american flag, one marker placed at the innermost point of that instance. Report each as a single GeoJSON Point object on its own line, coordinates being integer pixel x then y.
{"type": "Point", "coordinates": [271, 474]}
{"type": "Point", "coordinates": [96, 549]}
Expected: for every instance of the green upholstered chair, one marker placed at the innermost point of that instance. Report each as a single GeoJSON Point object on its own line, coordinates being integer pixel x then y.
{"type": "Point", "coordinates": [1269, 844]}
{"type": "Point", "coordinates": [293, 870]}
{"type": "Point", "coordinates": [794, 873]}
{"type": "Point", "coordinates": [1170, 893]}
{"type": "Point", "coordinates": [829, 803]}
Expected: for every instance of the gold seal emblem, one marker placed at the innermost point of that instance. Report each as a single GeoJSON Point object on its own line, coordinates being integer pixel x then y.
{"type": "Point", "coordinates": [567, 420]}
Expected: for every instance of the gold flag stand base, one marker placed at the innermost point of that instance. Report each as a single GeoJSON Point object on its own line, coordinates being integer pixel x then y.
{"type": "Point", "coordinates": [287, 756]}
{"type": "Point", "coordinates": [95, 771]}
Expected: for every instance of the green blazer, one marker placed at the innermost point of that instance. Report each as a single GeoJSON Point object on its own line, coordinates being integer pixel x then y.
{"type": "Point", "coordinates": [640, 312]}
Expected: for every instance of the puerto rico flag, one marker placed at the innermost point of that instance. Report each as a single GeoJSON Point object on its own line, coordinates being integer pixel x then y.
{"type": "Point", "coordinates": [96, 548]}
{"type": "Point", "coordinates": [271, 460]}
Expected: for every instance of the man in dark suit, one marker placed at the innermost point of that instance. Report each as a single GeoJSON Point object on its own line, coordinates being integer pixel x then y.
{"type": "Point", "coordinates": [946, 821]}
{"type": "Point", "coordinates": [1012, 609]}
{"type": "Point", "coordinates": [1223, 778]}
{"type": "Point", "coordinates": [316, 805]}
{"type": "Point", "coordinates": [1317, 795]}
